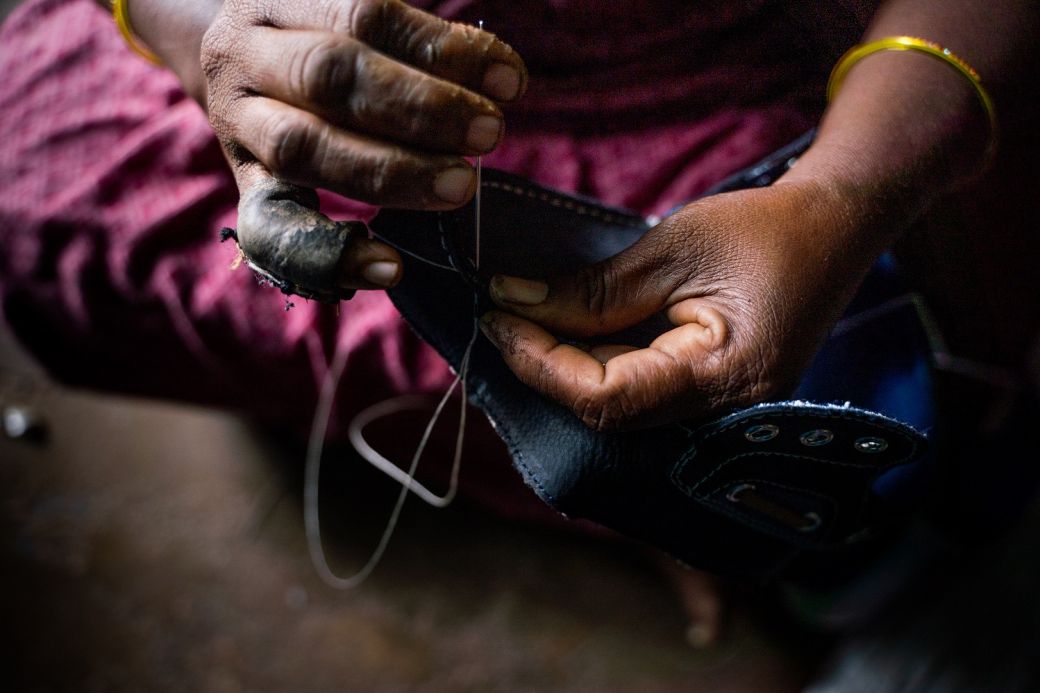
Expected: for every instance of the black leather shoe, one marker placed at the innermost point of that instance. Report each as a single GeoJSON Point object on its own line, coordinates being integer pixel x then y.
{"type": "Point", "coordinates": [783, 487]}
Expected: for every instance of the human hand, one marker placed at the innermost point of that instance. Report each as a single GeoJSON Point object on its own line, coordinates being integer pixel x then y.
{"type": "Point", "coordinates": [371, 99]}
{"type": "Point", "coordinates": [752, 280]}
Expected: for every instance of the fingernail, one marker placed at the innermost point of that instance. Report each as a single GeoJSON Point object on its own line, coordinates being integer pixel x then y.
{"type": "Point", "coordinates": [524, 292]}
{"type": "Point", "coordinates": [700, 636]}
{"type": "Point", "coordinates": [502, 82]}
{"type": "Point", "coordinates": [454, 184]}
{"type": "Point", "coordinates": [382, 273]}
{"type": "Point", "coordinates": [483, 133]}
{"type": "Point", "coordinates": [485, 327]}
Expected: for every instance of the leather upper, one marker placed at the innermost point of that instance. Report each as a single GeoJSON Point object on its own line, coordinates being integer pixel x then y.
{"type": "Point", "coordinates": [743, 493]}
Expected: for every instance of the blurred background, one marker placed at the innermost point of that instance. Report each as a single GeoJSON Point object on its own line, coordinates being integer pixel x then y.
{"type": "Point", "coordinates": [150, 547]}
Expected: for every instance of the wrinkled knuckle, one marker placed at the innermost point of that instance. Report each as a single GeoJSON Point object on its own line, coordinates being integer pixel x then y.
{"type": "Point", "coordinates": [437, 102]}
{"type": "Point", "coordinates": [223, 124]}
{"type": "Point", "coordinates": [433, 44]}
{"type": "Point", "coordinates": [379, 181]}
{"type": "Point", "coordinates": [432, 106]}
{"type": "Point", "coordinates": [602, 411]}
{"type": "Point", "coordinates": [592, 291]}
{"type": "Point", "coordinates": [368, 102]}
{"type": "Point", "coordinates": [325, 68]}
{"type": "Point", "coordinates": [599, 290]}
{"type": "Point", "coordinates": [626, 409]}
{"type": "Point", "coordinates": [216, 52]}
{"type": "Point", "coordinates": [365, 19]}
{"type": "Point", "coordinates": [589, 410]}
{"type": "Point", "coordinates": [223, 113]}
{"type": "Point", "coordinates": [288, 145]}
{"type": "Point", "coordinates": [365, 111]}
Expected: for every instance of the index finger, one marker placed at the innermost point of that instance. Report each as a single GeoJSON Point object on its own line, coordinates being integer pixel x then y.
{"type": "Point", "coordinates": [668, 380]}
{"type": "Point", "coordinates": [457, 52]}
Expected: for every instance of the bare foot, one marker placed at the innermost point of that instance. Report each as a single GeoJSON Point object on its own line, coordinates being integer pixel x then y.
{"type": "Point", "coordinates": [700, 594]}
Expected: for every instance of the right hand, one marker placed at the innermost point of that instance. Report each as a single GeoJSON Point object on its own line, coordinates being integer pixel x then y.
{"type": "Point", "coordinates": [371, 99]}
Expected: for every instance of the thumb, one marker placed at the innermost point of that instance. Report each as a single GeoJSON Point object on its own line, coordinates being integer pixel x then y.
{"type": "Point", "coordinates": [288, 241]}
{"type": "Point", "coordinates": [598, 299]}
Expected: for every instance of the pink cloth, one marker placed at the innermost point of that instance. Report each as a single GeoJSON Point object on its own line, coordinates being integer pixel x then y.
{"type": "Point", "coordinates": [114, 190]}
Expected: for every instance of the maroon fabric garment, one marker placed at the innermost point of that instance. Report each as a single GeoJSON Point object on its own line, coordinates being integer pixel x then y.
{"type": "Point", "coordinates": [114, 190]}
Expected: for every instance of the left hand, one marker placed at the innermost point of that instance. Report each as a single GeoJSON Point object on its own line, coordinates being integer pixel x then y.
{"type": "Point", "coordinates": [752, 280]}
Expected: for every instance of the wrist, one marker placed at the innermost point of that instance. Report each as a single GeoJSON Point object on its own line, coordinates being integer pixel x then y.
{"type": "Point", "coordinates": [904, 130]}
{"type": "Point", "coordinates": [830, 232]}
{"type": "Point", "coordinates": [173, 31]}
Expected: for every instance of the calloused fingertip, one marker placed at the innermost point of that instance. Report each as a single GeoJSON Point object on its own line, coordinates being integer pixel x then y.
{"type": "Point", "coordinates": [484, 133]}
{"type": "Point", "coordinates": [455, 185]}
{"type": "Point", "coordinates": [382, 273]}
{"type": "Point", "coordinates": [487, 327]}
{"type": "Point", "coordinates": [502, 82]}
{"type": "Point", "coordinates": [516, 291]}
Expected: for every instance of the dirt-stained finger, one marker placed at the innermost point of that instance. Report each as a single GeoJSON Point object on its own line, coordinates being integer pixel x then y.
{"type": "Point", "coordinates": [300, 148]}
{"type": "Point", "coordinates": [369, 264]}
{"type": "Point", "coordinates": [359, 89]}
{"type": "Point", "coordinates": [456, 52]}
{"type": "Point", "coordinates": [634, 388]}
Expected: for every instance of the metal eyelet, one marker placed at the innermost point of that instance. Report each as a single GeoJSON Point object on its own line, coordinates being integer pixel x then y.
{"type": "Point", "coordinates": [737, 491]}
{"type": "Point", "coordinates": [814, 523]}
{"type": "Point", "coordinates": [747, 495]}
{"type": "Point", "coordinates": [762, 433]}
{"type": "Point", "coordinates": [814, 439]}
{"type": "Point", "coordinates": [871, 445]}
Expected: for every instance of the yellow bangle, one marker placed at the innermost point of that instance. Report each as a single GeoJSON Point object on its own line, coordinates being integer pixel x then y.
{"type": "Point", "coordinates": [910, 43]}
{"type": "Point", "coordinates": [122, 17]}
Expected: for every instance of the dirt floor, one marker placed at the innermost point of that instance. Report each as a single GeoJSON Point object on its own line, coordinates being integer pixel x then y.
{"type": "Point", "coordinates": [152, 547]}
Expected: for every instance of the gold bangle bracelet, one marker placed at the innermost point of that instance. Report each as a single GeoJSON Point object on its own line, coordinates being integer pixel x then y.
{"type": "Point", "coordinates": [911, 43]}
{"type": "Point", "coordinates": [122, 16]}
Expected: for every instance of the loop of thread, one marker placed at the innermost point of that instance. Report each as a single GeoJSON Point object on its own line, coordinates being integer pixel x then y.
{"type": "Point", "coordinates": [319, 427]}
{"type": "Point", "coordinates": [315, 447]}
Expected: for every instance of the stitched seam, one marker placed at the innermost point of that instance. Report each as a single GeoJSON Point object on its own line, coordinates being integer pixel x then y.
{"type": "Point", "coordinates": [566, 203]}
{"type": "Point", "coordinates": [734, 458]}
{"type": "Point", "coordinates": [444, 243]}
{"type": "Point", "coordinates": [789, 537]}
{"type": "Point", "coordinates": [678, 469]}
{"type": "Point", "coordinates": [795, 489]}
{"type": "Point", "coordinates": [763, 524]}
{"type": "Point", "coordinates": [518, 458]}
{"type": "Point", "coordinates": [745, 518]}
{"type": "Point", "coordinates": [514, 449]}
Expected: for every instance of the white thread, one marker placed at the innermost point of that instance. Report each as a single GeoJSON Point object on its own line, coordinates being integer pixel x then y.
{"type": "Point", "coordinates": [386, 408]}
{"type": "Point", "coordinates": [315, 447]}
{"type": "Point", "coordinates": [319, 427]}
{"type": "Point", "coordinates": [575, 207]}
